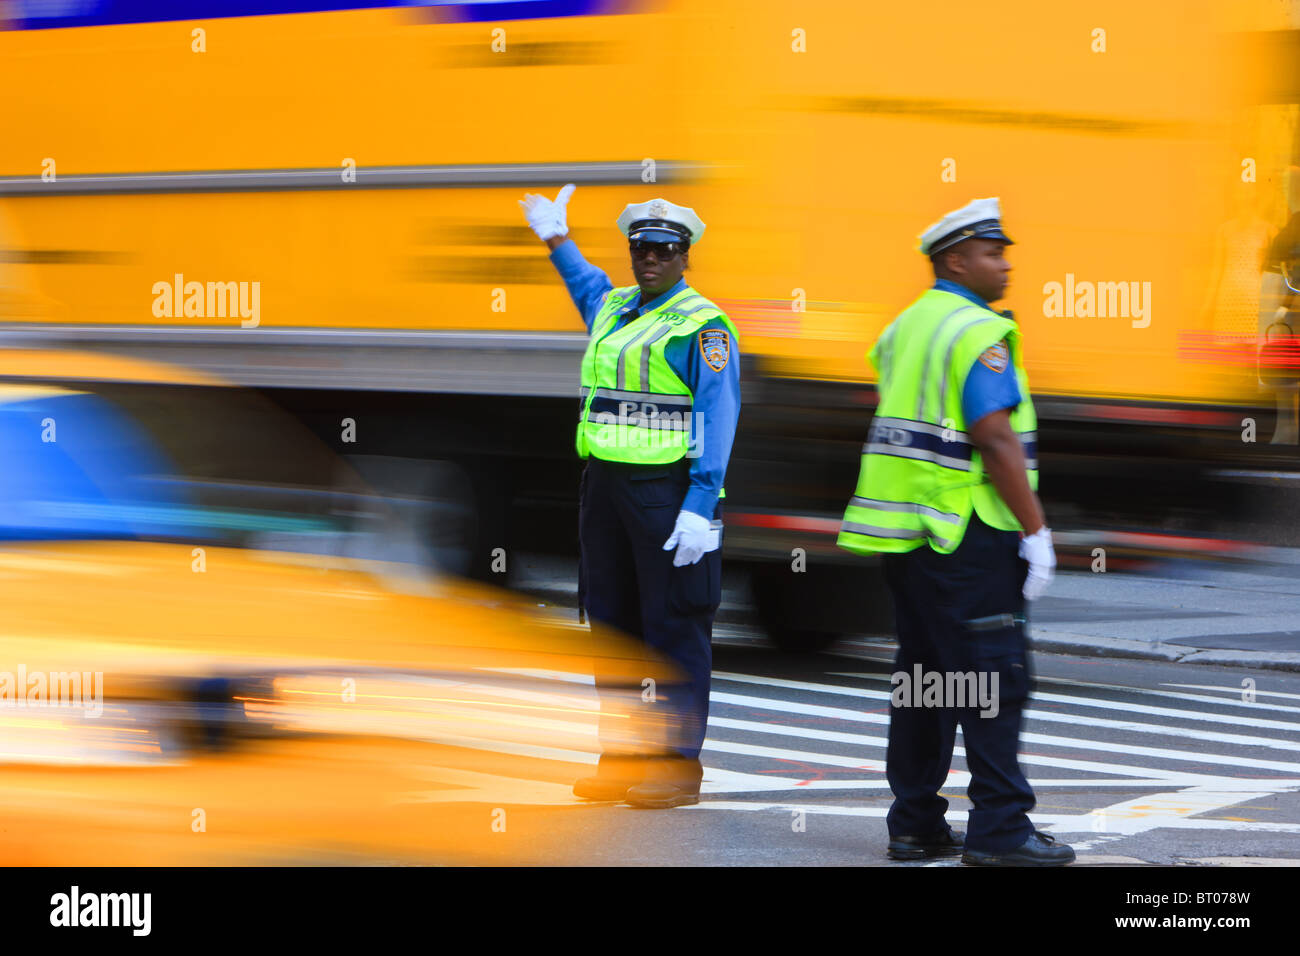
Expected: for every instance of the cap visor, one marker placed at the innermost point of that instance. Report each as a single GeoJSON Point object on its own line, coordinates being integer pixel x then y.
{"type": "Point", "coordinates": [654, 235]}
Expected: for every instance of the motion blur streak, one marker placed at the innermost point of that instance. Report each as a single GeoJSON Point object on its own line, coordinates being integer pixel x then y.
{"type": "Point", "coordinates": [277, 580]}
{"type": "Point", "coordinates": [270, 685]}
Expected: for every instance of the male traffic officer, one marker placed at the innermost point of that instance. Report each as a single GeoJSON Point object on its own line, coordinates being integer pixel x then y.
{"type": "Point", "coordinates": [947, 494]}
{"type": "Point", "coordinates": [660, 398]}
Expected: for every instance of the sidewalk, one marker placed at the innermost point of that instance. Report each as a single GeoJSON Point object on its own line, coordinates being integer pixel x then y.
{"type": "Point", "coordinates": [1237, 615]}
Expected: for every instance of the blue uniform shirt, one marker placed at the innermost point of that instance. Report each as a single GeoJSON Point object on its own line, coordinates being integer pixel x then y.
{"type": "Point", "coordinates": [991, 385]}
{"type": "Point", "coordinates": [716, 394]}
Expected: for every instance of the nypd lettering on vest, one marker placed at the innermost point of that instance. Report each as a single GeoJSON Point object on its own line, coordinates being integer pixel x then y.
{"type": "Point", "coordinates": [888, 434]}
{"type": "Point", "coordinates": [633, 406]}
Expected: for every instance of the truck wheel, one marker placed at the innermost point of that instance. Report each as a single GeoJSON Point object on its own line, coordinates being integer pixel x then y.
{"type": "Point", "coordinates": [809, 611]}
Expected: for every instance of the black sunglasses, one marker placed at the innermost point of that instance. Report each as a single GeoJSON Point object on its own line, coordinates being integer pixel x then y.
{"type": "Point", "coordinates": [662, 250]}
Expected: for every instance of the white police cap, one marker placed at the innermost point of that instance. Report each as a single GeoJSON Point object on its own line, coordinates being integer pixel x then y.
{"type": "Point", "coordinates": [660, 221]}
{"type": "Point", "coordinates": [978, 219]}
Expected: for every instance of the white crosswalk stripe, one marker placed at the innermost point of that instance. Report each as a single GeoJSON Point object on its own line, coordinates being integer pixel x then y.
{"type": "Point", "coordinates": [801, 735]}
{"type": "Point", "coordinates": [1162, 730]}
{"type": "Point", "coordinates": [780, 745]}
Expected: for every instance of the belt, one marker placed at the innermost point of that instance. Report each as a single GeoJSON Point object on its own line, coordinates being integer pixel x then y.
{"type": "Point", "coordinates": [994, 622]}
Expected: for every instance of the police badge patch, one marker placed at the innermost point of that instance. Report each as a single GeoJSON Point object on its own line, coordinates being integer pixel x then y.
{"type": "Point", "coordinates": [715, 346]}
{"type": "Point", "coordinates": [996, 356]}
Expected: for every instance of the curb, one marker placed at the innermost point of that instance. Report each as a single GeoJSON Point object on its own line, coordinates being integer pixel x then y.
{"type": "Point", "coordinates": [1063, 642]}
{"type": "Point", "coordinates": [1052, 642]}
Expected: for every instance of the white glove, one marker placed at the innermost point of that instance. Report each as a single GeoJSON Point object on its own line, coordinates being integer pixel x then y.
{"type": "Point", "coordinates": [1038, 551]}
{"type": "Point", "coordinates": [547, 217]}
{"type": "Point", "coordinates": [690, 537]}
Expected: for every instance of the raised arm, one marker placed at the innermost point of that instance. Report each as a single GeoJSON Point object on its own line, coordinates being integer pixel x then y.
{"type": "Point", "coordinates": [587, 284]}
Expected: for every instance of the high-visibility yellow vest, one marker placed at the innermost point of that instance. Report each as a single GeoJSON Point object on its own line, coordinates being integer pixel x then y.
{"type": "Point", "coordinates": [920, 476]}
{"type": "Point", "coordinates": [633, 406]}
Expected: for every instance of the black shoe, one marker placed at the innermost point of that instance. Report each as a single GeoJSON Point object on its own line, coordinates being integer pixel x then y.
{"type": "Point", "coordinates": [670, 781]}
{"type": "Point", "coordinates": [601, 788]}
{"type": "Point", "coordinates": [662, 796]}
{"type": "Point", "coordinates": [613, 778]}
{"type": "Point", "coordinates": [948, 843]}
{"type": "Point", "coordinates": [1039, 850]}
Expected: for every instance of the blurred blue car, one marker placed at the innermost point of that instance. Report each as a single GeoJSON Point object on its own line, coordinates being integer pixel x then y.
{"type": "Point", "coordinates": [78, 468]}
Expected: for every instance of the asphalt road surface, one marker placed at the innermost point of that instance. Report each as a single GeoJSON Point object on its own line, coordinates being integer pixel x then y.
{"type": "Point", "coordinates": [1133, 762]}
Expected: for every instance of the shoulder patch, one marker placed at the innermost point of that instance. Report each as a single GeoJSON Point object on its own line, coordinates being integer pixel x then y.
{"type": "Point", "coordinates": [996, 357]}
{"type": "Point", "coordinates": [715, 346]}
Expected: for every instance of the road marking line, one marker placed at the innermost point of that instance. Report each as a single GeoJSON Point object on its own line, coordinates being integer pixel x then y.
{"type": "Point", "coordinates": [862, 692]}
{"type": "Point", "coordinates": [1241, 740]}
{"type": "Point", "coordinates": [830, 760]}
{"type": "Point", "coordinates": [767, 703]}
{"type": "Point", "coordinates": [956, 778]}
{"type": "Point", "coordinates": [1031, 714]}
{"type": "Point", "coordinates": [717, 780]}
{"type": "Point", "coordinates": [1240, 691]}
{"type": "Point", "coordinates": [747, 782]}
{"type": "Point", "coordinates": [864, 740]}
{"type": "Point", "coordinates": [1151, 692]}
{"type": "Point", "coordinates": [1242, 861]}
{"type": "Point", "coordinates": [1082, 846]}
{"type": "Point", "coordinates": [841, 811]}
{"type": "Point", "coordinates": [1063, 763]}
{"type": "Point", "coordinates": [1040, 820]}
{"type": "Point", "coordinates": [1191, 698]}
{"type": "Point", "coordinates": [1158, 810]}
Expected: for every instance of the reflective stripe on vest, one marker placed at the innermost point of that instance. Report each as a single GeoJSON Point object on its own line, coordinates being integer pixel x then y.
{"type": "Point", "coordinates": [957, 330]}
{"type": "Point", "coordinates": [633, 407]}
{"type": "Point", "coordinates": [641, 409]}
{"type": "Point", "coordinates": [873, 531]}
{"type": "Point", "coordinates": [904, 438]}
{"type": "Point", "coordinates": [920, 474]}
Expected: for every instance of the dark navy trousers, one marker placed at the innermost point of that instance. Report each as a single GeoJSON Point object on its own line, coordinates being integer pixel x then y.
{"type": "Point", "coordinates": [626, 514]}
{"type": "Point", "coordinates": [949, 612]}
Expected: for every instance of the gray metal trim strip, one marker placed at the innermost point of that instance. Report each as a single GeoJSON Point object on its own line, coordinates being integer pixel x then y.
{"type": "Point", "coordinates": [265, 335]}
{"type": "Point", "coordinates": [624, 173]}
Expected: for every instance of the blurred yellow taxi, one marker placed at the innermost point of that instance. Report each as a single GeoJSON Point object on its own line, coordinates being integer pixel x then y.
{"type": "Point", "coordinates": [205, 658]}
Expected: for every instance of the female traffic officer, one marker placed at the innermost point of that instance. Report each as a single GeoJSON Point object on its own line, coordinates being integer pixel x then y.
{"type": "Point", "coordinates": [660, 397]}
